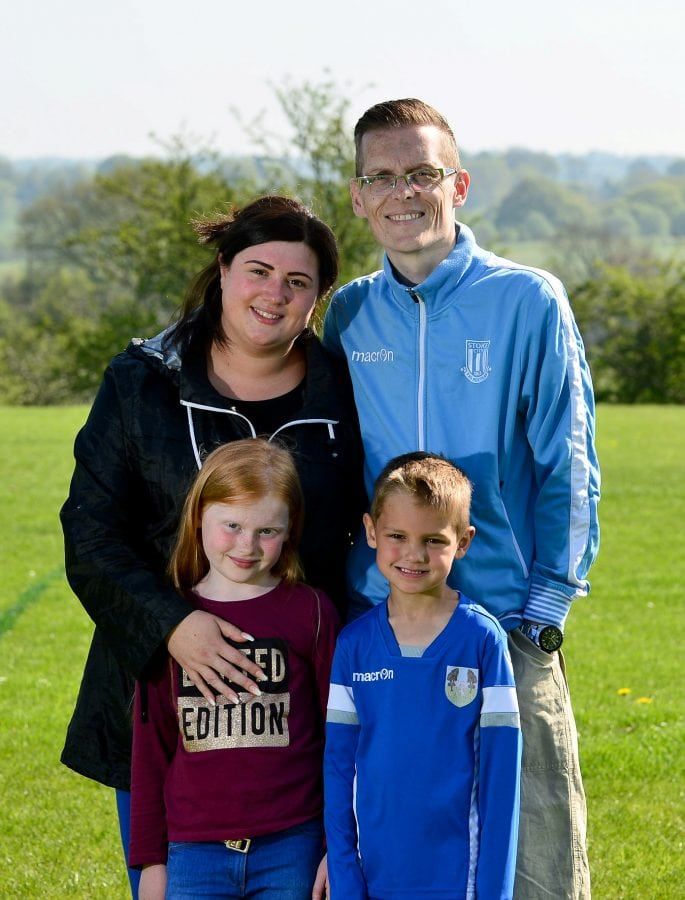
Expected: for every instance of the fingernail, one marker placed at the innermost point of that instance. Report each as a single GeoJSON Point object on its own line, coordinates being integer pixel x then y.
{"type": "Point", "coordinates": [248, 637]}
{"type": "Point", "coordinates": [263, 676]}
{"type": "Point", "coordinates": [212, 701]}
{"type": "Point", "coordinates": [255, 690]}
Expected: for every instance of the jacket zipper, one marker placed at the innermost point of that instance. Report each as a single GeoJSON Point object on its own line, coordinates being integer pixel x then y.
{"type": "Point", "coordinates": [420, 402]}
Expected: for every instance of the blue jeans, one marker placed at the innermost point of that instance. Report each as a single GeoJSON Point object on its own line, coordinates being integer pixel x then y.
{"type": "Point", "coordinates": [124, 811]}
{"type": "Point", "coordinates": [281, 866]}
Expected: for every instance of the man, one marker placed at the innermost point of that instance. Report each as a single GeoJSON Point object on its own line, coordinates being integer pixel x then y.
{"type": "Point", "coordinates": [456, 351]}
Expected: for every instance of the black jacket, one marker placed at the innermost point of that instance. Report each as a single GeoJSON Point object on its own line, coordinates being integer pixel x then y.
{"type": "Point", "coordinates": [136, 457]}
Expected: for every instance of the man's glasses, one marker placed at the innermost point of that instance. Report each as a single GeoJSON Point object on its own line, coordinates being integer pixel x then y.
{"type": "Point", "coordinates": [421, 180]}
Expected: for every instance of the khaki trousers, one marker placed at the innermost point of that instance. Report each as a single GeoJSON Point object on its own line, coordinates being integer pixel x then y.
{"type": "Point", "coordinates": [552, 857]}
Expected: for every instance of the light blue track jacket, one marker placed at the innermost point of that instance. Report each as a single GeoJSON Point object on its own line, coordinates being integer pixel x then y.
{"type": "Point", "coordinates": [422, 763]}
{"type": "Point", "coordinates": [483, 363]}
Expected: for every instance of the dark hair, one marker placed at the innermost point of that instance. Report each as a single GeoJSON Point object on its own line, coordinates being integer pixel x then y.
{"type": "Point", "coordinates": [269, 218]}
{"type": "Point", "coordinates": [429, 479]}
{"type": "Point", "coordinates": [400, 114]}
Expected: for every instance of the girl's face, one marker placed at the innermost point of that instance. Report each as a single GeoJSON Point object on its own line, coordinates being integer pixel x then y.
{"type": "Point", "coordinates": [268, 294]}
{"type": "Point", "coordinates": [243, 542]}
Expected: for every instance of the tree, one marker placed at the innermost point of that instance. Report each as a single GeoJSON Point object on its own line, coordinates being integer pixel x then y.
{"type": "Point", "coordinates": [678, 223]}
{"type": "Point", "coordinates": [53, 353]}
{"type": "Point", "coordinates": [536, 227]}
{"type": "Point", "coordinates": [129, 230]}
{"type": "Point", "coordinates": [559, 206]}
{"type": "Point", "coordinates": [634, 329]}
{"type": "Point", "coordinates": [666, 194]}
{"type": "Point", "coordinates": [315, 160]}
{"type": "Point", "coordinates": [531, 164]}
{"type": "Point", "coordinates": [491, 180]}
{"type": "Point", "coordinates": [652, 221]}
{"type": "Point", "coordinates": [619, 222]}
{"type": "Point", "coordinates": [110, 259]}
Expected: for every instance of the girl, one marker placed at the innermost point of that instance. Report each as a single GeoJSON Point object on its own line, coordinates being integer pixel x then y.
{"type": "Point", "coordinates": [226, 796]}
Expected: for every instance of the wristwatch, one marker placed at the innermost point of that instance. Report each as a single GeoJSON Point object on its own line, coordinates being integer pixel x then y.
{"type": "Point", "coordinates": [547, 637]}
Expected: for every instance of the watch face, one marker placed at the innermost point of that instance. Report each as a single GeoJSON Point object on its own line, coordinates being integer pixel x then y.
{"type": "Point", "coordinates": [551, 638]}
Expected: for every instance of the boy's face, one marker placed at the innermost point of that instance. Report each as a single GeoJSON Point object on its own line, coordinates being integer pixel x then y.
{"type": "Point", "coordinates": [415, 545]}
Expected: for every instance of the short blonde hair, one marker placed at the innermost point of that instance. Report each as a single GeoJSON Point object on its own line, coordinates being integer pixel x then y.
{"type": "Point", "coordinates": [429, 479]}
{"type": "Point", "coordinates": [238, 472]}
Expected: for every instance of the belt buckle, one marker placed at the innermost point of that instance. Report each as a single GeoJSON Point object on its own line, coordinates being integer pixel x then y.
{"type": "Point", "coordinates": [241, 846]}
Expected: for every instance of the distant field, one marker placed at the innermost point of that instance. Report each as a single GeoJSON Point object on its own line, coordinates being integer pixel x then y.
{"type": "Point", "coordinates": [624, 656]}
{"type": "Point", "coordinates": [539, 253]}
{"type": "Point", "coordinates": [11, 268]}
{"type": "Point", "coordinates": [531, 253]}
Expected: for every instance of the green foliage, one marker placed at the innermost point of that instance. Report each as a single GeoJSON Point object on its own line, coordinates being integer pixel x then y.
{"type": "Point", "coordinates": [678, 223]}
{"type": "Point", "coordinates": [319, 170]}
{"type": "Point", "coordinates": [22, 183]}
{"type": "Point", "coordinates": [666, 194]}
{"type": "Point", "coordinates": [559, 206]}
{"type": "Point", "coordinates": [60, 837]}
{"type": "Point", "coordinates": [110, 260]}
{"type": "Point", "coordinates": [651, 221]}
{"type": "Point", "coordinates": [58, 355]}
{"type": "Point", "coordinates": [491, 179]}
{"type": "Point", "coordinates": [634, 329]}
{"type": "Point", "coordinates": [128, 230]}
{"type": "Point", "coordinates": [109, 256]}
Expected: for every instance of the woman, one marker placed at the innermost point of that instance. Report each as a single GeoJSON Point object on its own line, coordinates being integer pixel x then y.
{"type": "Point", "coordinates": [239, 362]}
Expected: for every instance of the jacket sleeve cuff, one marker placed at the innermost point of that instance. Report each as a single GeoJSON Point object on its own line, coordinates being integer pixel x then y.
{"type": "Point", "coordinates": [548, 602]}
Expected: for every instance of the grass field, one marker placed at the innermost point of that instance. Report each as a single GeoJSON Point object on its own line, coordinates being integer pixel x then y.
{"type": "Point", "coordinates": [624, 656]}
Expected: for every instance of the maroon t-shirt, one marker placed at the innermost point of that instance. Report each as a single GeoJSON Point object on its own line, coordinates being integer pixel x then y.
{"type": "Point", "coordinates": [225, 772]}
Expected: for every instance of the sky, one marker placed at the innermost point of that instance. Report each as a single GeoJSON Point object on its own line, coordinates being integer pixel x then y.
{"type": "Point", "coordinates": [87, 79]}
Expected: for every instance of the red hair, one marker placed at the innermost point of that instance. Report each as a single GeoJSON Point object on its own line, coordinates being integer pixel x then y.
{"type": "Point", "coordinates": [238, 472]}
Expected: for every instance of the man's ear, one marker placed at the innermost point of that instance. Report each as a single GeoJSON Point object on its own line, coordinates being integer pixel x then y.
{"type": "Point", "coordinates": [370, 531]}
{"type": "Point", "coordinates": [357, 205]}
{"type": "Point", "coordinates": [461, 188]}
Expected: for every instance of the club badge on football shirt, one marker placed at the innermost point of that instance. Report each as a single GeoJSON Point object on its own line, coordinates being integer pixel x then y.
{"type": "Point", "coordinates": [477, 366]}
{"type": "Point", "coordinates": [461, 685]}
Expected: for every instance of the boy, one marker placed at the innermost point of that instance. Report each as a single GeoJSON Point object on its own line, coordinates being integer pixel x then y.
{"type": "Point", "coordinates": [423, 742]}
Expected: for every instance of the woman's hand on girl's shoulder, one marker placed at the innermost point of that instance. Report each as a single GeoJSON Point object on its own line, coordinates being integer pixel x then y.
{"type": "Point", "coordinates": [152, 883]}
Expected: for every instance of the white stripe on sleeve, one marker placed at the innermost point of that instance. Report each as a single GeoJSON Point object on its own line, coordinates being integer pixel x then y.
{"type": "Point", "coordinates": [341, 698]}
{"type": "Point", "coordinates": [499, 700]}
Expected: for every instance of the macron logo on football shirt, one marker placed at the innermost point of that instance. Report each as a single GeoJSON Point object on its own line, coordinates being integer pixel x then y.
{"type": "Point", "coordinates": [380, 675]}
{"type": "Point", "coordinates": [373, 356]}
